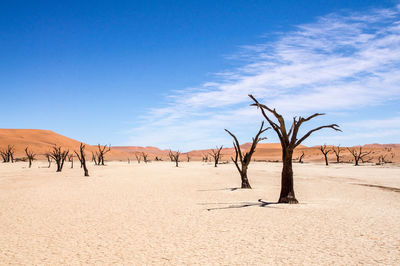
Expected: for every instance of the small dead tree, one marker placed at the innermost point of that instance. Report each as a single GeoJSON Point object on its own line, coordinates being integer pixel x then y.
{"type": "Point", "coordinates": [301, 157]}
{"type": "Point", "coordinates": [95, 156]}
{"type": "Point", "coordinates": [325, 152]}
{"type": "Point", "coordinates": [188, 157]}
{"type": "Point", "coordinates": [102, 150]}
{"type": "Point", "coordinates": [59, 156]}
{"type": "Point", "coordinates": [30, 155]}
{"type": "Point", "coordinates": [145, 155]}
{"type": "Point", "coordinates": [138, 157]}
{"type": "Point", "coordinates": [71, 160]}
{"type": "Point", "coordinates": [129, 161]}
{"type": "Point", "coordinates": [337, 150]}
{"type": "Point", "coordinates": [245, 158]}
{"type": "Point", "coordinates": [289, 141]}
{"type": "Point", "coordinates": [205, 158]}
{"type": "Point", "coordinates": [175, 157]}
{"type": "Point", "coordinates": [8, 154]}
{"type": "Point", "coordinates": [82, 158]}
{"type": "Point", "coordinates": [49, 159]}
{"type": "Point", "coordinates": [358, 155]}
{"type": "Point", "coordinates": [216, 154]}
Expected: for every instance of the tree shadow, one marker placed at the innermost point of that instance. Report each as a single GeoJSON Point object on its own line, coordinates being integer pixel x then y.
{"type": "Point", "coordinates": [393, 189]}
{"type": "Point", "coordinates": [219, 189]}
{"type": "Point", "coordinates": [259, 203]}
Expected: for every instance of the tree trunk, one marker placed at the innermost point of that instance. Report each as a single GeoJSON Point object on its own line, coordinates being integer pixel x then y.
{"type": "Point", "coordinates": [326, 159]}
{"type": "Point", "coordinates": [30, 163]}
{"type": "Point", "coordinates": [287, 191]}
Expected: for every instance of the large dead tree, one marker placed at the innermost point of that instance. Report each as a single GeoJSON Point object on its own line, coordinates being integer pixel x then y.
{"type": "Point", "coordinates": [59, 156]}
{"type": "Point", "coordinates": [216, 154]}
{"type": "Point", "coordinates": [358, 155]}
{"type": "Point", "coordinates": [325, 152]}
{"type": "Point", "coordinates": [8, 154]}
{"type": "Point", "coordinates": [289, 141]}
{"type": "Point", "coordinates": [245, 158]}
{"type": "Point", "coordinates": [337, 150]}
{"type": "Point", "coordinates": [82, 158]}
{"type": "Point", "coordinates": [102, 150]}
{"type": "Point", "coordinates": [31, 156]}
{"type": "Point", "coordinates": [174, 157]}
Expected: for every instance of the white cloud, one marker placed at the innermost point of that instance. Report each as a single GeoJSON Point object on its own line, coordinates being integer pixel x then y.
{"type": "Point", "coordinates": [340, 62]}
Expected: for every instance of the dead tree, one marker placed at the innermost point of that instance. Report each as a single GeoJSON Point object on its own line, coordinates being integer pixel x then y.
{"type": "Point", "coordinates": [8, 154]}
{"type": "Point", "coordinates": [175, 157]}
{"type": "Point", "coordinates": [48, 157]}
{"type": "Point", "coordinates": [358, 155]}
{"type": "Point", "coordinates": [95, 156]}
{"type": "Point", "coordinates": [59, 156]}
{"type": "Point", "coordinates": [289, 142]}
{"type": "Point", "coordinates": [325, 152]}
{"type": "Point", "coordinates": [129, 161]}
{"type": "Point", "coordinates": [337, 152]}
{"type": "Point", "coordinates": [216, 154]}
{"type": "Point", "coordinates": [188, 157]}
{"type": "Point", "coordinates": [30, 155]}
{"type": "Point", "coordinates": [205, 158]}
{"type": "Point", "coordinates": [145, 155]}
{"type": "Point", "coordinates": [301, 157]}
{"type": "Point", "coordinates": [82, 158]}
{"type": "Point", "coordinates": [102, 150]}
{"type": "Point", "coordinates": [245, 158]}
{"type": "Point", "coordinates": [71, 160]}
{"type": "Point", "coordinates": [138, 158]}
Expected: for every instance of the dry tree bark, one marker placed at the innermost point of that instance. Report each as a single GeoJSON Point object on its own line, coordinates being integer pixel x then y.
{"type": "Point", "coordinates": [289, 142]}
{"type": "Point", "coordinates": [245, 158]}
{"type": "Point", "coordinates": [31, 156]}
{"type": "Point", "coordinates": [325, 152]}
{"type": "Point", "coordinates": [82, 159]}
{"type": "Point", "coordinates": [59, 156]}
{"type": "Point", "coordinates": [358, 155]}
{"type": "Point", "coordinates": [216, 154]}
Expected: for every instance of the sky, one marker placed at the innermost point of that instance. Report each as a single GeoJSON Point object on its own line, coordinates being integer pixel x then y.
{"type": "Point", "coordinates": [174, 74]}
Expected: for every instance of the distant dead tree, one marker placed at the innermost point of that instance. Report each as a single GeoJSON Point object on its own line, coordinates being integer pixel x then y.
{"type": "Point", "coordinates": [102, 150]}
{"type": "Point", "coordinates": [82, 158]}
{"type": "Point", "coordinates": [216, 154]}
{"type": "Point", "coordinates": [8, 154]}
{"type": "Point", "coordinates": [145, 155]}
{"type": "Point", "coordinates": [245, 157]}
{"type": "Point", "coordinates": [358, 155]}
{"type": "Point", "coordinates": [175, 157]}
{"type": "Point", "coordinates": [325, 152]}
{"type": "Point", "coordinates": [289, 142]}
{"type": "Point", "coordinates": [301, 157]}
{"type": "Point", "coordinates": [188, 157]}
{"type": "Point", "coordinates": [95, 156]}
{"type": "Point", "coordinates": [138, 157]}
{"type": "Point", "coordinates": [48, 157]}
{"type": "Point", "coordinates": [71, 160]}
{"type": "Point", "coordinates": [157, 159]}
{"type": "Point", "coordinates": [30, 155]}
{"type": "Point", "coordinates": [129, 161]}
{"type": "Point", "coordinates": [205, 158]}
{"type": "Point", "coordinates": [337, 150]}
{"type": "Point", "coordinates": [59, 156]}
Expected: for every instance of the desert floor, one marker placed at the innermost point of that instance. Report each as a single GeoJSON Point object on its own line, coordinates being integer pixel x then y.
{"type": "Point", "coordinates": [159, 214]}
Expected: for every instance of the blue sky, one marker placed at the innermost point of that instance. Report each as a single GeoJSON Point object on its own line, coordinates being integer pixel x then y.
{"type": "Point", "coordinates": [176, 73]}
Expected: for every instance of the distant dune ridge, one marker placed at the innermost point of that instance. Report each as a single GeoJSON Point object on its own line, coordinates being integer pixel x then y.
{"type": "Point", "coordinates": [41, 142]}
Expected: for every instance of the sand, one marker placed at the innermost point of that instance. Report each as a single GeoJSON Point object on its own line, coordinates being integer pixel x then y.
{"type": "Point", "coordinates": [158, 214]}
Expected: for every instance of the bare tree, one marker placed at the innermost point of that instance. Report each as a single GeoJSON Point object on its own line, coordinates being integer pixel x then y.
{"type": "Point", "coordinates": [59, 156]}
{"type": "Point", "coordinates": [8, 154]}
{"type": "Point", "coordinates": [358, 155]}
{"type": "Point", "coordinates": [102, 150]}
{"type": "Point", "coordinates": [157, 159]}
{"type": "Point", "coordinates": [216, 154]}
{"type": "Point", "coordinates": [129, 161]}
{"type": "Point", "coordinates": [175, 157]}
{"type": "Point", "coordinates": [325, 152]}
{"type": "Point", "coordinates": [301, 157]}
{"type": "Point", "coordinates": [71, 160]}
{"type": "Point", "coordinates": [337, 150]}
{"type": "Point", "coordinates": [94, 158]}
{"type": "Point", "coordinates": [82, 158]}
{"type": "Point", "coordinates": [48, 157]}
{"type": "Point", "coordinates": [30, 155]}
{"type": "Point", "coordinates": [289, 142]}
{"type": "Point", "coordinates": [188, 157]}
{"type": "Point", "coordinates": [145, 155]}
{"type": "Point", "coordinates": [138, 157]}
{"type": "Point", "coordinates": [205, 158]}
{"type": "Point", "coordinates": [245, 157]}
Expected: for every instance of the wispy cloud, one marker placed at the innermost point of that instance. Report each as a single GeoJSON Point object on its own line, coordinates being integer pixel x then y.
{"type": "Point", "coordinates": [340, 62]}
